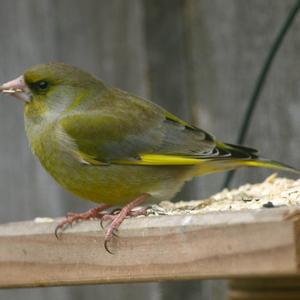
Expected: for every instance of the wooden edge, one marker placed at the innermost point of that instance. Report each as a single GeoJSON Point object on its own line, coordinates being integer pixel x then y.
{"type": "Point", "coordinates": [215, 245]}
{"type": "Point", "coordinates": [287, 288]}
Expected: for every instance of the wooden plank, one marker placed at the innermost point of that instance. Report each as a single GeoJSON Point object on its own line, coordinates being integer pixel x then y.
{"type": "Point", "coordinates": [215, 245]}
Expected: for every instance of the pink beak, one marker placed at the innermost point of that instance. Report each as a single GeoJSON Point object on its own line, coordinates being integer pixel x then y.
{"type": "Point", "coordinates": [17, 88]}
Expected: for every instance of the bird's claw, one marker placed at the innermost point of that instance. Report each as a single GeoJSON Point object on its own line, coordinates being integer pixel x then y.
{"type": "Point", "coordinates": [116, 220]}
{"type": "Point", "coordinates": [71, 218]}
{"type": "Point", "coordinates": [115, 217]}
{"type": "Point", "coordinates": [56, 232]}
{"type": "Point", "coordinates": [106, 247]}
{"type": "Point", "coordinates": [68, 221]}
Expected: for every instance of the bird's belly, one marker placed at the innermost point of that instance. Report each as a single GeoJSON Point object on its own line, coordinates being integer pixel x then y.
{"type": "Point", "coordinates": [114, 184]}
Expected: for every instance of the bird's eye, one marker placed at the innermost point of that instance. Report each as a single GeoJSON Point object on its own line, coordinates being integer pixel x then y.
{"type": "Point", "coordinates": [43, 85]}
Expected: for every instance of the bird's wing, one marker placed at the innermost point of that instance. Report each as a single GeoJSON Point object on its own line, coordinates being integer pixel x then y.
{"type": "Point", "coordinates": [134, 131]}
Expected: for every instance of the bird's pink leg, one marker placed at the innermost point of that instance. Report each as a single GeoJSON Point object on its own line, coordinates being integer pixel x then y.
{"type": "Point", "coordinates": [94, 213]}
{"type": "Point", "coordinates": [117, 219]}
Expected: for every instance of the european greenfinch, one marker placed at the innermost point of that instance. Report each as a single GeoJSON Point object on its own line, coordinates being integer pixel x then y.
{"type": "Point", "coordinates": [108, 146]}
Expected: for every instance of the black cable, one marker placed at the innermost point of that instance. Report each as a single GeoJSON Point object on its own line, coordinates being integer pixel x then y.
{"type": "Point", "coordinates": [261, 81]}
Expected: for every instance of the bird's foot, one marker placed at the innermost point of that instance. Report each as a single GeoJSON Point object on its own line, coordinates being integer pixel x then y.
{"type": "Point", "coordinates": [118, 216]}
{"type": "Point", "coordinates": [94, 213]}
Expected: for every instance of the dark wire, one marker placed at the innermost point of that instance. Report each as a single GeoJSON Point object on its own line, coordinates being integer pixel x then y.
{"type": "Point", "coordinates": [261, 81]}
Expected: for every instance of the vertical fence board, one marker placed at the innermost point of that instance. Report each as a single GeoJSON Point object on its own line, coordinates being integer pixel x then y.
{"type": "Point", "coordinates": [103, 37]}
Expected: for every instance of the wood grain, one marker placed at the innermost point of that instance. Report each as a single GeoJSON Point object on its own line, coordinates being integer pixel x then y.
{"type": "Point", "coordinates": [216, 245]}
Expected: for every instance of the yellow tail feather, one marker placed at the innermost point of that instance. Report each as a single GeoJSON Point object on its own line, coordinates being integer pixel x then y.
{"type": "Point", "coordinates": [213, 166]}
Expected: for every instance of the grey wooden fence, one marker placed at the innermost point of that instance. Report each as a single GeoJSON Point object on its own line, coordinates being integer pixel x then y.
{"type": "Point", "coordinates": [198, 58]}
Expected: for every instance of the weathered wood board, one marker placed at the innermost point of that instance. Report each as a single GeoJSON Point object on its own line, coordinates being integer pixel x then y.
{"type": "Point", "coordinates": [215, 245]}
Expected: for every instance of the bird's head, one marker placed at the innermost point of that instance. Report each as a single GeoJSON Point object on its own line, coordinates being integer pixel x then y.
{"type": "Point", "coordinates": [52, 86]}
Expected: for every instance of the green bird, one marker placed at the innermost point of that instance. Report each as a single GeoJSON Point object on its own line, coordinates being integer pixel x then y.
{"type": "Point", "coordinates": [110, 147]}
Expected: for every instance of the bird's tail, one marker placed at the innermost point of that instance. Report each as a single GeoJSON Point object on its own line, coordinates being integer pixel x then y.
{"type": "Point", "coordinates": [234, 156]}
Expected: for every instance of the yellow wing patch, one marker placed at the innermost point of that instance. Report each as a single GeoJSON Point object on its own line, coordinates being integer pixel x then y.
{"type": "Point", "coordinates": [179, 121]}
{"type": "Point", "coordinates": [161, 160]}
